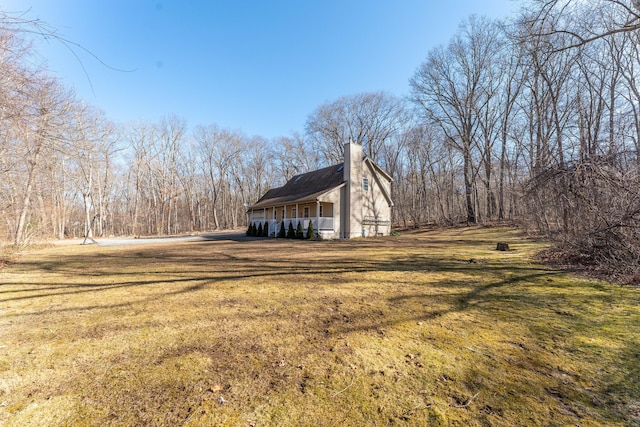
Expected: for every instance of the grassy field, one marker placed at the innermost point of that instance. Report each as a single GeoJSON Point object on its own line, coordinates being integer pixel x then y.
{"type": "Point", "coordinates": [426, 328]}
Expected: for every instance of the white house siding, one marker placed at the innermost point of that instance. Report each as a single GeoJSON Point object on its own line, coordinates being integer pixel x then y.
{"type": "Point", "coordinates": [333, 198]}
{"type": "Point", "coordinates": [376, 212]}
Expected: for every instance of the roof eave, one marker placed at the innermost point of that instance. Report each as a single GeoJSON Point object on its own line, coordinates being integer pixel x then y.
{"type": "Point", "coordinates": [378, 168]}
{"type": "Point", "coordinates": [376, 176]}
{"type": "Point", "coordinates": [308, 198]}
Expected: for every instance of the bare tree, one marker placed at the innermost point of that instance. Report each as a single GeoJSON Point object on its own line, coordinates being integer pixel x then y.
{"type": "Point", "coordinates": [219, 151]}
{"type": "Point", "coordinates": [582, 92]}
{"type": "Point", "coordinates": [513, 67]}
{"type": "Point", "coordinates": [90, 149]}
{"type": "Point", "coordinates": [190, 177]}
{"type": "Point", "coordinates": [293, 155]}
{"type": "Point", "coordinates": [39, 135]}
{"type": "Point", "coordinates": [255, 168]}
{"type": "Point", "coordinates": [38, 129]}
{"type": "Point", "coordinates": [630, 95]}
{"type": "Point", "coordinates": [453, 85]}
{"type": "Point", "coordinates": [169, 133]}
{"type": "Point", "coordinates": [369, 119]}
{"type": "Point", "coordinates": [15, 78]}
{"type": "Point", "coordinates": [139, 140]}
{"type": "Point", "coordinates": [426, 194]}
{"type": "Point", "coordinates": [577, 23]}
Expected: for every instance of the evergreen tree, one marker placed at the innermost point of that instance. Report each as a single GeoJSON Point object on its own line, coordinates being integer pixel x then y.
{"type": "Point", "coordinates": [259, 231]}
{"type": "Point", "coordinates": [299, 232]}
{"type": "Point", "coordinates": [291, 234]}
{"type": "Point", "coordinates": [265, 230]}
{"type": "Point", "coordinates": [282, 233]}
{"type": "Point", "coordinates": [311, 233]}
{"type": "Point", "coordinates": [249, 228]}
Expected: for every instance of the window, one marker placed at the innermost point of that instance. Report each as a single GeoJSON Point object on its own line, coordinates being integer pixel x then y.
{"type": "Point", "coordinates": [282, 213]}
{"type": "Point", "coordinates": [365, 184]}
{"type": "Point", "coordinates": [294, 213]}
{"type": "Point", "coordinates": [321, 211]}
{"type": "Point", "coordinates": [306, 212]}
{"type": "Point", "coordinates": [275, 213]}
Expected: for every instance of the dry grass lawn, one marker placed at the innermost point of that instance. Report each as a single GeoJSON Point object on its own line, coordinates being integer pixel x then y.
{"type": "Point", "coordinates": [394, 331]}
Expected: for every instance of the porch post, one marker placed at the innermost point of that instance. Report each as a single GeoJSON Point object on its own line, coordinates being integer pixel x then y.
{"type": "Point", "coordinates": [317, 216]}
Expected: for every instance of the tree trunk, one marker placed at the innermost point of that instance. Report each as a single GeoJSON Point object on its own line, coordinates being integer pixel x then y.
{"type": "Point", "coordinates": [468, 186]}
{"type": "Point", "coordinates": [503, 157]}
{"type": "Point", "coordinates": [26, 201]}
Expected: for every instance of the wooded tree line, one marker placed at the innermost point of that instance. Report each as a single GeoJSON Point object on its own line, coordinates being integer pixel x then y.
{"type": "Point", "coordinates": [534, 119]}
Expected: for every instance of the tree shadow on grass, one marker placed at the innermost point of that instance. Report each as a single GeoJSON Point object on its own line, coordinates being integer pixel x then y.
{"type": "Point", "coordinates": [543, 346]}
{"type": "Point", "coordinates": [456, 301]}
{"type": "Point", "coordinates": [488, 288]}
{"type": "Point", "coordinates": [229, 263]}
{"type": "Point", "coordinates": [164, 286]}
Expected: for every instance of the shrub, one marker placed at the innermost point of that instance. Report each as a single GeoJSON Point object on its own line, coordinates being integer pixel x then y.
{"type": "Point", "coordinates": [259, 231]}
{"type": "Point", "coordinates": [265, 230]}
{"type": "Point", "coordinates": [311, 233]}
{"type": "Point", "coordinates": [299, 232]}
{"type": "Point", "coordinates": [590, 208]}
{"type": "Point", "coordinates": [282, 233]}
{"type": "Point", "coordinates": [249, 229]}
{"type": "Point", "coordinates": [290, 233]}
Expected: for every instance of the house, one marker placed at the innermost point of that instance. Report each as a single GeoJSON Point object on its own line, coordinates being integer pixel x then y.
{"type": "Point", "coordinates": [351, 199]}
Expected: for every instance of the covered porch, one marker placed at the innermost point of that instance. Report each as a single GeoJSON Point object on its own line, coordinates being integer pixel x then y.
{"type": "Point", "coordinates": [320, 214]}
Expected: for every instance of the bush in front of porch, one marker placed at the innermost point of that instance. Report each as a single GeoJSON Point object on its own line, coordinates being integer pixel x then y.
{"type": "Point", "coordinates": [311, 233]}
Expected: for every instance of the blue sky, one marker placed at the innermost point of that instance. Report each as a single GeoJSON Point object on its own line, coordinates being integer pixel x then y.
{"type": "Point", "coordinates": [257, 66]}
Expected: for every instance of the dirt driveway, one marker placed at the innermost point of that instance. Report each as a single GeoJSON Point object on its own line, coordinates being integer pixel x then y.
{"type": "Point", "coordinates": [130, 241]}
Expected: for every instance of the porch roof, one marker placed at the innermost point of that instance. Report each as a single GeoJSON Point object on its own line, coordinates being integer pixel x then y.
{"type": "Point", "coordinates": [303, 188]}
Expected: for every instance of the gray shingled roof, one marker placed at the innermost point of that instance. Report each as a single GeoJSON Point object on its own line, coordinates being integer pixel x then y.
{"type": "Point", "coordinates": [302, 188]}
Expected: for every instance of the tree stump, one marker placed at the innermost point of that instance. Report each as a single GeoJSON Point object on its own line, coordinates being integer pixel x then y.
{"type": "Point", "coordinates": [502, 247]}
